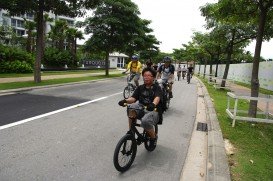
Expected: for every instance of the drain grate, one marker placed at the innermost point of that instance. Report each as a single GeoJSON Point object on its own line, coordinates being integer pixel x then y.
{"type": "Point", "coordinates": [202, 127]}
{"type": "Point", "coordinates": [201, 96]}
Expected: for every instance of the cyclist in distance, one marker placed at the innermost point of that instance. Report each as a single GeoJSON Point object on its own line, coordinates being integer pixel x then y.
{"type": "Point", "coordinates": [149, 63]}
{"type": "Point", "coordinates": [190, 70]}
{"type": "Point", "coordinates": [148, 95]}
{"type": "Point", "coordinates": [184, 71]}
{"type": "Point", "coordinates": [135, 67]}
{"type": "Point", "coordinates": [166, 73]}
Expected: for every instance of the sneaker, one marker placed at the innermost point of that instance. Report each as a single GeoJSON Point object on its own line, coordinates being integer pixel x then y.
{"type": "Point", "coordinates": [153, 142]}
{"type": "Point", "coordinates": [171, 95]}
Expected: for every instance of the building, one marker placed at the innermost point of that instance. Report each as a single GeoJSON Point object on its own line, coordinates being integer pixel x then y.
{"type": "Point", "coordinates": [117, 60]}
{"type": "Point", "coordinates": [17, 22]}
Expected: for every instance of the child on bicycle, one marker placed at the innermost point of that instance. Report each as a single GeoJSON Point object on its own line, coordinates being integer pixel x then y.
{"type": "Point", "coordinates": [148, 95]}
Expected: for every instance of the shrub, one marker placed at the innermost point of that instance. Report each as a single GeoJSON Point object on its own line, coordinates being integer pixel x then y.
{"type": "Point", "coordinates": [14, 60]}
{"type": "Point", "coordinates": [15, 67]}
{"type": "Point", "coordinates": [56, 58]}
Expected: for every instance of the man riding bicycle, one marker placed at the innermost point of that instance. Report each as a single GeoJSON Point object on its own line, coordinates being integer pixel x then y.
{"type": "Point", "coordinates": [167, 72]}
{"type": "Point", "coordinates": [148, 95]}
{"type": "Point", "coordinates": [184, 71]}
{"type": "Point", "coordinates": [135, 68]}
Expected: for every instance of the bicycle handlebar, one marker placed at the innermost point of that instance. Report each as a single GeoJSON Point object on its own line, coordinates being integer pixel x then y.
{"type": "Point", "coordinates": [145, 107]}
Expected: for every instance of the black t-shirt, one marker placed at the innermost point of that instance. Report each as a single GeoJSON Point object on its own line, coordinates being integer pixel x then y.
{"type": "Point", "coordinates": [145, 95]}
{"type": "Point", "coordinates": [190, 69]}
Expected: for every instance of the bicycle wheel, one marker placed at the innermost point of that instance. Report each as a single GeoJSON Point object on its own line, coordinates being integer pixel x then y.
{"type": "Point", "coordinates": [147, 142]}
{"type": "Point", "coordinates": [188, 78]}
{"type": "Point", "coordinates": [167, 101]}
{"type": "Point", "coordinates": [125, 153]}
{"type": "Point", "coordinates": [126, 92]}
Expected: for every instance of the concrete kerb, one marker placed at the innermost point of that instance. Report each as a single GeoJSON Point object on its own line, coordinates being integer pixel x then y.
{"type": "Point", "coordinates": [217, 163]}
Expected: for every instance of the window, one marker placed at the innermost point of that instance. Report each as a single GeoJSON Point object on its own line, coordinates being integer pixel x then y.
{"type": "Point", "coordinates": [30, 16]}
{"type": "Point", "coordinates": [20, 32]}
{"type": "Point", "coordinates": [120, 62]}
{"type": "Point", "coordinates": [13, 22]}
{"type": "Point", "coordinates": [20, 24]}
{"type": "Point", "coordinates": [17, 23]}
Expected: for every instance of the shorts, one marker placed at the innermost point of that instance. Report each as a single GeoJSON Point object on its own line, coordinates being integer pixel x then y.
{"type": "Point", "coordinates": [170, 79]}
{"type": "Point", "coordinates": [136, 77]}
{"type": "Point", "coordinates": [148, 118]}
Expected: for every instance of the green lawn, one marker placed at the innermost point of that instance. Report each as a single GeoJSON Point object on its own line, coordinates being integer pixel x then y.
{"type": "Point", "coordinates": [14, 85]}
{"type": "Point", "coordinates": [44, 73]}
{"type": "Point", "coordinates": [253, 142]}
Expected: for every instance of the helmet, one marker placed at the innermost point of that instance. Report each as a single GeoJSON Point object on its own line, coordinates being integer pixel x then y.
{"type": "Point", "coordinates": [167, 59]}
{"type": "Point", "coordinates": [134, 57]}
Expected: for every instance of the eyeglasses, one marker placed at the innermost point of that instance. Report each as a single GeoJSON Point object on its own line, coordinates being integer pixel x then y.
{"type": "Point", "coordinates": [148, 75]}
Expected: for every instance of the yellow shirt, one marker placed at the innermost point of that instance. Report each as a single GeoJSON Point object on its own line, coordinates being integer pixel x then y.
{"type": "Point", "coordinates": [134, 67]}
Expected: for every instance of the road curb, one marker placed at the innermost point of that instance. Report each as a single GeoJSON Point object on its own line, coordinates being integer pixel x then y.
{"type": "Point", "coordinates": [217, 162]}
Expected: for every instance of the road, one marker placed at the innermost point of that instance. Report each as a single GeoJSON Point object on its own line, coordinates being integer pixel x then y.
{"type": "Point", "coordinates": [77, 143]}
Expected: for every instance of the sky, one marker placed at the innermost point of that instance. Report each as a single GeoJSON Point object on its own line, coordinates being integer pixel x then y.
{"type": "Point", "coordinates": [174, 22]}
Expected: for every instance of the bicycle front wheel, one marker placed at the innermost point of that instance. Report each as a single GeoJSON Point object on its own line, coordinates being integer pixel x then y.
{"type": "Point", "coordinates": [128, 91]}
{"type": "Point", "coordinates": [125, 153]}
{"type": "Point", "coordinates": [167, 101]}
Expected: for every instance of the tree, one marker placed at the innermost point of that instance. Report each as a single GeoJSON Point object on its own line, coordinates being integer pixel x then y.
{"type": "Point", "coordinates": [259, 15]}
{"type": "Point", "coordinates": [72, 35]}
{"type": "Point", "coordinates": [30, 26]}
{"type": "Point", "coordinates": [236, 34]}
{"type": "Point", "coordinates": [70, 8]}
{"type": "Point", "coordinates": [113, 25]}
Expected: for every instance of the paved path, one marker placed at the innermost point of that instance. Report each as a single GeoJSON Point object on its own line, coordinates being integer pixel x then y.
{"type": "Point", "coordinates": [244, 91]}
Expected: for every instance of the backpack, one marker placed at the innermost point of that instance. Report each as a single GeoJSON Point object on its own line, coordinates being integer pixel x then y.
{"type": "Point", "coordinates": [171, 68]}
{"type": "Point", "coordinates": [160, 107]}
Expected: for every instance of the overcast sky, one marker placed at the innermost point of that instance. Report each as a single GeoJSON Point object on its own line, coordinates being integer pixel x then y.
{"type": "Point", "coordinates": [174, 21]}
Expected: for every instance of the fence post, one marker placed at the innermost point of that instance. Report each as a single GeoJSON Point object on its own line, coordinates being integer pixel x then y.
{"type": "Point", "coordinates": [235, 111]}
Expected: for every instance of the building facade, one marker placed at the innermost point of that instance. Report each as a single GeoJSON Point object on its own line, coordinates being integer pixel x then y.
{"type": "Point", "coordinates": [18, 25]}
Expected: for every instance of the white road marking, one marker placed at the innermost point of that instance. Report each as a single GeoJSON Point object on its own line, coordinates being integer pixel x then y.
{"type": "Point", "coordinates": [54, 112]}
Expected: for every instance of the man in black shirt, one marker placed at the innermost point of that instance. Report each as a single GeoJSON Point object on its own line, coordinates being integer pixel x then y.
{"type": "Point", "coordinates": [148, 95]}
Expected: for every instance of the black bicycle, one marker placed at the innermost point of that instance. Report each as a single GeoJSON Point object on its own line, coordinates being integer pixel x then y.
{"type": "Point", "coordinates": [131, 87]}
{"type": "Point", "coordinates": [126, 148]}
{"type": "Point", "coordinates": [166, 93]}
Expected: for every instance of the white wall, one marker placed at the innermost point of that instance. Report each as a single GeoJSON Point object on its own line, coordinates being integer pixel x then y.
{"type": "Point", "coordinates": [242, 73]}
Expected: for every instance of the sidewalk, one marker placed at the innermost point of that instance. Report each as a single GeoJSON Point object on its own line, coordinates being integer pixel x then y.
{"type": "Point", "coordinates": [244, 91]}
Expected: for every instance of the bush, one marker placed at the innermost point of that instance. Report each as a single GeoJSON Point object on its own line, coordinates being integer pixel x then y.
{"type": "Point", "coordinates": [15, 67]}
{"type": "Point", "coordinates": [10, 54]}
{"type": "Point", "coordinates": [56, 58]}
{"type": "Point", "coordinates": [14, 60]}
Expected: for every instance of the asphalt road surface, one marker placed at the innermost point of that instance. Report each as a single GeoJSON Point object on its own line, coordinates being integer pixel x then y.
{"type": "Point", "coordinates": [70, 133]}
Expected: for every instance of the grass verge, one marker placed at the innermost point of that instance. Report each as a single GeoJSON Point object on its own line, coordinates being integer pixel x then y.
{"type": "Point", "coordinates": [44, 73]}
{"type": "Point", "coordinates": [15, 85]}
{"type": "Point", "coordinates": [253, 142]}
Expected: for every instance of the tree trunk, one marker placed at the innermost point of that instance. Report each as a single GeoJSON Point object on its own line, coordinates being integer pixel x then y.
{"type": "Point", "coordinates": [223, 84]}
{"type": "Point", "coordinates": [229, 53]}
{"type": "Point", "coordinates": [107, 63]}
{"type": "Point", "coordinates": [199, 69]}
{"type": "Point", "coordinates": [252, 111]}
{"type": "Point", "coordinates": [39, 43]}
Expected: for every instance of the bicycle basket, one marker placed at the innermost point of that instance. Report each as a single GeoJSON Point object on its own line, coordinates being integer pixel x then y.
{"type": "Point", "coordinates": [135, 111]}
